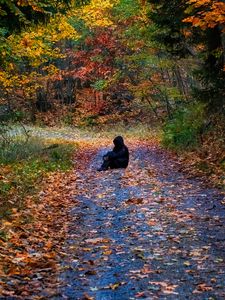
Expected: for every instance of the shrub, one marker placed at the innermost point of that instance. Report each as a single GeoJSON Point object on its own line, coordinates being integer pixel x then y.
{"type": "Point", "coordinates": [184, 129]}
{"type": "Point", "coordinates": [89, 121]}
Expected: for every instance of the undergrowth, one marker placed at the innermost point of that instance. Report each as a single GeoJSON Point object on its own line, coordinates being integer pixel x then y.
{"type": "Point", "coordinates": [24, 165]}
{"type": "Point", "coordinates": [199, 139]}
{"type": "Point", "coordinates": [183, 131]}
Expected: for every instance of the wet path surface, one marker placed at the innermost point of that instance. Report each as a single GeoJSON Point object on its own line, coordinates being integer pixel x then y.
{"type": "Point", "coordinates": [147, 232]}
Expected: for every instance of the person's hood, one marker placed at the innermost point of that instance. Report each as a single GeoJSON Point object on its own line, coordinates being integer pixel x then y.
{"type": "Point", "coordinates": [118, 142]}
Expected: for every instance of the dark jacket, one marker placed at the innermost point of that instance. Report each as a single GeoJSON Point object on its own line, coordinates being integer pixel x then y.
{"type": "Point", "coordinates": [120, 153]}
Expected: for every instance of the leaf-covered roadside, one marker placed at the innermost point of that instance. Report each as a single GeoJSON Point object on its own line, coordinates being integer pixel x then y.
{"type": "Point", "coordinates": [147, 232]}
{"type": "Point", "coordinates": [33, 228]}
{"type": "Point", "coordinates": [208, 160]}
{"type": "Point", "coordinates": [23, 166]}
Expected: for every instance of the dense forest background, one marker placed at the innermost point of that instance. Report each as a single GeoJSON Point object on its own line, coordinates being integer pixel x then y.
{"type": "Point", "coordinates": [87, 63]}
{"type": "Point", "coordinates": [73, 75]}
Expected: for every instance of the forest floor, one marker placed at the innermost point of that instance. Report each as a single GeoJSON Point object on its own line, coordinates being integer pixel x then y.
{"type": "Point", "coordinates": [147, 232]}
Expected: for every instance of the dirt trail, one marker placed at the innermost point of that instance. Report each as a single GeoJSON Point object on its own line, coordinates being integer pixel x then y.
{"type": "Point", "coordinates": [147, 232]}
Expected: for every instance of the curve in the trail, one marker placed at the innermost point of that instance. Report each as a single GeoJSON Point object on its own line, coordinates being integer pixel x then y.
{"type": "Point", "coordinates": [147, 232]}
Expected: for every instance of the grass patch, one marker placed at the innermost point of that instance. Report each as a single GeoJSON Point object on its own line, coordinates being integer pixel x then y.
{"type": "Point", "coordinates": [23, 167]}
{"type": "Point", "coordinates": [139, 131]}
{"type": "Point", "coordinates": [76, 134]}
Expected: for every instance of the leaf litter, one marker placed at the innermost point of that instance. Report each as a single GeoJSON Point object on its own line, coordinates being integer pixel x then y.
{"type": "Point", "coordinates": [143, 232]}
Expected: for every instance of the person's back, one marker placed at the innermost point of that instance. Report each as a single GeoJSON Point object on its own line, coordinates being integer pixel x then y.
{"type": "Point", "coordinates": [118, 158]}
{"type": "Point", "coordinates": [121, 152]}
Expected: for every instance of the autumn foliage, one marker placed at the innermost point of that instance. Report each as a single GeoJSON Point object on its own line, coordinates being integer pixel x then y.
{"type": "Point", "coordinates": [206, 14]}
{"type": "Point", "coordinates": [97, 63]}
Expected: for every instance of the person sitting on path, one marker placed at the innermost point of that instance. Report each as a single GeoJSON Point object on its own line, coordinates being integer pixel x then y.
{"type": "Point", "coordinates": [117, 158]}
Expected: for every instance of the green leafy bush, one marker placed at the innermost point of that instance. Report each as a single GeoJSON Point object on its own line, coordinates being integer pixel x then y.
{"type": "Point", "coordinates": [100, 85]}
{"type": "Point", "coordinates": [89, 121]}
{"type": "Point", "coordinates": [184, 129]}
{"type": "Point", "coordinates": [68, 119]}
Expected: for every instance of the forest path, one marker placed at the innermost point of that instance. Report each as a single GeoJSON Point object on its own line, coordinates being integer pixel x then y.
{"type": "Point", "coordinates": [147, 232]}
